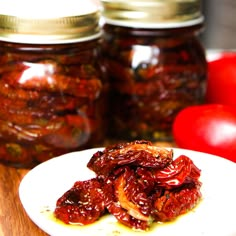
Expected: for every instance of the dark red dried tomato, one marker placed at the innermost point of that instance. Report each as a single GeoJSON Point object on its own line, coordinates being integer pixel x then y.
{"type": "Point", "coordinates": [175, 202]}
{"type": "Point", "coordinates": [141, 184]}
{"type": "Point", "coordinates": [126, 200]}
{"type": "Point", "coordinates": [82, 204]}
{"type": "Point", "coordinates": [181, 170]}
{"type": "Point", "coordinates": [137, 153]}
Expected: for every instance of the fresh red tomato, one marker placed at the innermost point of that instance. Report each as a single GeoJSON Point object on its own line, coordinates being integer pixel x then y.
{"type": "Point", "coordinates": [209, 128]}
{"type": "Point", "coordinates": [221, 82]}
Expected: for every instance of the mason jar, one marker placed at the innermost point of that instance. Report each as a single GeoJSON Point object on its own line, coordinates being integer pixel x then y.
{"type": "Point", "coordinates": [52, 92]}
{"type": "Point", "coordinates": [155, 63]}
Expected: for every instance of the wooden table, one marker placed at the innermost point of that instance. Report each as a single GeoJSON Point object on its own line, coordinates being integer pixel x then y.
{"type": "Point", "coordinates": [13, 219]}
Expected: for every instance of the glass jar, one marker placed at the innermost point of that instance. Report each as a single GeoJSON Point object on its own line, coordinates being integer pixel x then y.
{"type": "Point", "coordinates": [51, 87]}
{"type": "Point", "coordinates": [155, 63]}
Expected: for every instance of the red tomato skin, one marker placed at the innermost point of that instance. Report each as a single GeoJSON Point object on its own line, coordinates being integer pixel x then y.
{"type": "Point", "coordinates": [221, 80]}
{"type": "Point", "coordinates": [209, 128]}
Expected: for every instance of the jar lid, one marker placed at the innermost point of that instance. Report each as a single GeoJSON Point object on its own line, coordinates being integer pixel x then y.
{"type": "Point", "coordinates": [49, 22]}
{"type": "Point", "coordinates": [152, 13]}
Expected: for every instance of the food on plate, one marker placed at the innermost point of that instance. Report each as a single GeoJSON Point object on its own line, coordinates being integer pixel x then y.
{"type": "Point", "coordinates": [137, 182]}
{"type": "Point", "coordinates": [208, 128]}
{"type": "Point", "coordinates": [82, 204]}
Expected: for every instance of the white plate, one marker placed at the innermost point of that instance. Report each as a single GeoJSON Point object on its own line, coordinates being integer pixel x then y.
{"type": "Point", "coordinates": [215, 214]}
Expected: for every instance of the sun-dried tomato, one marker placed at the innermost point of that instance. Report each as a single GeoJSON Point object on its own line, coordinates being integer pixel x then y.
{"type": "Point", "coordinates": [175, 202]}
{"type": "Point", "coordinates": [52, 83]}
{"type": "Point", "coordinates": [126, 200]}
{"type": "Point", "coordinates": [82, 204]}
{"type": "Point", "coordinates": [139, 189]}
{"type": "Point", "coordinates": [182, 170]}
{"type": "Point", "coordinates": [137, 153]}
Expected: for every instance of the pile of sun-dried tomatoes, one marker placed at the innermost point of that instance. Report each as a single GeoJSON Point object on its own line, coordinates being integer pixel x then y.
{"type": "Point", "coordinates": [137, 182]}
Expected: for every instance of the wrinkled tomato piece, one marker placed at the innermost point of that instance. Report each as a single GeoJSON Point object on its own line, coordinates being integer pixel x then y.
{"type": "Point", "coordinates": [176, 202]}
{"type": "Point", "coordinates": [126, 199]}
{"type": "Point", "coordinates": [180, 171]}
{"type": "Point", "coordinates": [136, 153]}
{"type": "Point", "coordinates": [82, 204]}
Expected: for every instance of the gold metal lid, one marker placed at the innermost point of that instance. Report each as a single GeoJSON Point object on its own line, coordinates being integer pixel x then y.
{"type": "Point", "coordinates": [152, 13]}
{"type": "Point", "coordinates": [48, 22]}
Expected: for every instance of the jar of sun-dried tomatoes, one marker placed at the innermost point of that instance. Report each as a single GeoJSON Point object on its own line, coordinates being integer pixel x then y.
{"type": "Point", "coordinates": [155, 63]}
{"type": "Point", "coordinates": [52, 91]}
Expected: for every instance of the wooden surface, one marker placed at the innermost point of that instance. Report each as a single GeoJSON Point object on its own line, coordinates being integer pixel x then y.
{"type": "Point", "coordinates": [13, 219]}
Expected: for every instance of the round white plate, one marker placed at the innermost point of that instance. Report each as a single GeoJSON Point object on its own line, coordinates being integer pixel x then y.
{"type": "Point", "coordinates": [214, 215]}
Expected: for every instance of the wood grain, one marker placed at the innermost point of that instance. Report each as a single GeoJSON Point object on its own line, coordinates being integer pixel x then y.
{"type": "Point", "coordinates": [13, 219]}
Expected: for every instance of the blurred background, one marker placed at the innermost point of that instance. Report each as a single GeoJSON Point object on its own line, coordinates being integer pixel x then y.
{"type": "Point", "coordinates": [220, 24]}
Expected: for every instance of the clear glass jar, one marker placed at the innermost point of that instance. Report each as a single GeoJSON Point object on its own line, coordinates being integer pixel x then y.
{"type": "Point", "coordinates": [51, 87]}
{"type": "Point", "coordinates": [155, 63]}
